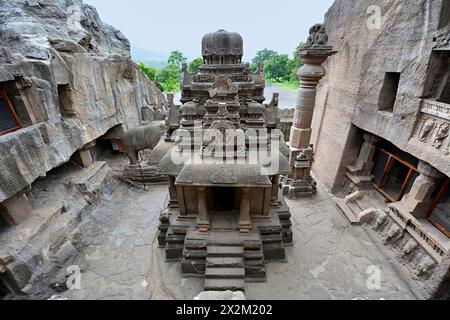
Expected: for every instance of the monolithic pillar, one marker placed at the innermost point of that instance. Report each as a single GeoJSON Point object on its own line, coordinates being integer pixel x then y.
{"type": "Point", "coordinates": [203, 218]}
{"type": "Point", "coordinates": [173, 202]}
{"type": "Point", "coordinates": [360, 173]}
{"type": "Point", "coordinates": [313, 56]}
{"type": "Point", "coordinates": [245, 223]}
{"type": "Point", "coordinates": [275, 189]}
{"type": "Point", "coordinates": [419, 200]}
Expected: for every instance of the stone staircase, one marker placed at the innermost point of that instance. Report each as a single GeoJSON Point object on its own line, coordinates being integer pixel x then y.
{"type": "Point", "coordinates": [359, 207]}
{"type": "Point", "coordinates": [225, 269]}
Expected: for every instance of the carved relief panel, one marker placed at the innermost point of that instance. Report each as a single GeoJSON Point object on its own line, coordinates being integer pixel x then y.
{"type": "Point", "coordinates": [433, 128]}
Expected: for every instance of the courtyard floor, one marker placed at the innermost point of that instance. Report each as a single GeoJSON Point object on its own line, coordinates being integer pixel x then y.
{"type": "Point", "coordinates": [330, 259]}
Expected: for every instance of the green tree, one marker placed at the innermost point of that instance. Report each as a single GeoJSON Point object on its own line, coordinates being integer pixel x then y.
{"type": "Point", "coordinates": [279, 68]}
{"type": "Point", "coordinates": [169, 78]}
{"type": "Point", "coordinates": [150, 72]}
{"type": "Point", "coordinates": [264, 56]}
{"type": "Point", "coordinates": [177, 58]}
{"type": "Point", "coordinates": [298, 62]}
{"type": "Point", "coordinates": [194, 66]}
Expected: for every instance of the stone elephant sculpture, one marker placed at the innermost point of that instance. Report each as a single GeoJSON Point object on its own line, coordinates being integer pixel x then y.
{"type": "Point", "coordinates": [141, 138]}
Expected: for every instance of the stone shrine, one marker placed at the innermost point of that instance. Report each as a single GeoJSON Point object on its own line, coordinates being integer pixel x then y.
{"type": "Point", "coordinates": [225, 216]}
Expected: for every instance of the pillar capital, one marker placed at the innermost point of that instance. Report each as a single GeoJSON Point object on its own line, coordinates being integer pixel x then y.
{"type": "Point", "coordinates": [419, 199]}
{"type": "Point", "coordinates": [429, 171]}
{"type": "Point", "coordinates": [313, 55]}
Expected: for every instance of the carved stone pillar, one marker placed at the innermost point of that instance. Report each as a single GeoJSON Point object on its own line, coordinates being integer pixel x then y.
{"type": "Point", "coordinates": [245, 223]}
{"type": "Point", "coordinates": [418, 201]}
{"type": "Point", "coordinates": [173, 118]}
{"type": "Point", "coordinates": [203, 224]}
{"type": "Point", "coordinates": [275, 190]}
{"type": "Point", "coordinates": [313, 56]}
{"type": "Point", "coordinates": [360, 173]}
{"type": "Point", "coordinates": [173, 202]}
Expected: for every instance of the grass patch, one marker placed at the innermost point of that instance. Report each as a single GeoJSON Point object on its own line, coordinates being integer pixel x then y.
{"type": "Point", "coordinates": [288, 85]}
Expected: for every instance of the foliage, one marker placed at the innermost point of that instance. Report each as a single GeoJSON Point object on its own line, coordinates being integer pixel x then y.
{"type": "Point", "coordinates": [194, 66]}
{"type": "Point", "coordinates": [279, 69]}
{"type": "Point", "coordinates": [150, 72]}
{"type": "Point", "coordinates": [264, 55]}
{"type": "Point", "coordinates": [169, 78]}
{"type": "Point", "coordinates": [176, 58]}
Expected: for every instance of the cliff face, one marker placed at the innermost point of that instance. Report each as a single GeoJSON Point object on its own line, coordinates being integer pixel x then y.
{"type": "Point", "coordinates": [70, 79]}
{"type": "Point", "coordinates": [350, 95]}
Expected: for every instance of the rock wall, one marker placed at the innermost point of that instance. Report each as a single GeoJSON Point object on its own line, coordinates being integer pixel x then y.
{"type": "Point", "coordinates": [70, 79]}
{"type": "Point", "coordinates": [349, 95]}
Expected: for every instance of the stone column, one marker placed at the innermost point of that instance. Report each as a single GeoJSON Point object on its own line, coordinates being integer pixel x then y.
{"type": "Point", "coordinates": [360, 173]}
{"type": "Point", "coordinates": [313, 56]}
{"type": "Point", "coordinates": [203, 224]}
{"type": "Point", "coordinates": [84, 156]}
{"type": "Point", "coordinates": [173, 202]}
{"type": "Point", "coordinates": [275, 190]}
{"type": "Point", "coordinates": [418, 201]}
{"type": "Point", "coordinates": [245, 223]}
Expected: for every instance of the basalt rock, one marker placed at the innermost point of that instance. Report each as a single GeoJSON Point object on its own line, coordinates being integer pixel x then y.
{"type": "Point", "coordinates": [70, 79]}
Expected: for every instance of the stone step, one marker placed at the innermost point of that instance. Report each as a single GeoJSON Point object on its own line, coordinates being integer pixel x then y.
{"type": "Point", "coordinates": [254, 255]}
{"type": "Point", "coordinates": [225, 273]}
{"type": "Point", "coordinates": [225, 252]}
{"type": "Point", "coordinates": [278, 238]}
{"type": "Point", "coordinates": [224, 262]}
{"type": "Point", "coordinates": [224, 285]}
{"type": "Point", "coordinates": [254, 263]}
{"type": "Point", "coordinates": [345, 209]}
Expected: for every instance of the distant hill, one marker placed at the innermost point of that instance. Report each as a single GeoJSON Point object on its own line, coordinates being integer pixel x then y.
{"type": "Point", "coordinates": [151, 58]}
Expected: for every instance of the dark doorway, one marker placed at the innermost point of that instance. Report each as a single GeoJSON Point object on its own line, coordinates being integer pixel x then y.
{"type": "Point", "coordinates": [223, 199]}
{"type": "Point", "coordinates": [394, 171]}
{"type": "Point", "coordinates": [389, 91]}
{"type": "Point", "coordinates": [445, 94]}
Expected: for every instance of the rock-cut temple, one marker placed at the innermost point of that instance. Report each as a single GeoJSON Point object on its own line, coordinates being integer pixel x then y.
{"type": "Point", "coordinates": [225, 216]}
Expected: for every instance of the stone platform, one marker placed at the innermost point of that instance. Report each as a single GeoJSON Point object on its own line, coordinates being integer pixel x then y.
{"type": "Point", "coordinates": [329, 259]}
{"type": "Point", "coordinates": [224, 256]}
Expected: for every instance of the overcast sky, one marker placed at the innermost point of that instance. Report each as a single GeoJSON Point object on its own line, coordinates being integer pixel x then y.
{"type": "Point", "coordinates": [166, 25]}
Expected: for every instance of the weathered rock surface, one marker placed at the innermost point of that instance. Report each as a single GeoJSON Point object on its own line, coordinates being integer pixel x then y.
{"type": "Point", "coordinates": [349, 95]}
{"type": "Point", "coordinates": [70, 78]}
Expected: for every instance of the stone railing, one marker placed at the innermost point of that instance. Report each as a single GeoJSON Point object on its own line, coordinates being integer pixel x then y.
{"type": "Point", "coordinates": [435, 108]}
{"type": "Point", "coordinates": [414, 227]}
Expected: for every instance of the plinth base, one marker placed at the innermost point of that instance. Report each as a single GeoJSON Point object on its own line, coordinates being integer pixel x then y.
{"type": "Point", "coordinates": [294, 189]}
